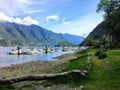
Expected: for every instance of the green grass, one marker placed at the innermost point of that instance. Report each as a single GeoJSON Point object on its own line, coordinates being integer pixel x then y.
{"type": "Point", "coordinates": [101, 77]}
{"type": "Point", "coordinates": [72, 81]}
{"type": "Point", "coordinates": [75, 64]}
{"type": "Point", "coordinates": [6, 87]}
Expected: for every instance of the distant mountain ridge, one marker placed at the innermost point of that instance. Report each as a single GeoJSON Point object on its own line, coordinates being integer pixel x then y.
{"type": "Point", "coordinates": [17, 34]}
{"type": "Point", "coordinates": [71, 38]}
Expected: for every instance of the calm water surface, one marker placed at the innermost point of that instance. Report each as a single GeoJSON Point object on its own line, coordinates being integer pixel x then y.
{"type": "Point", "coordinates": [7, 60]}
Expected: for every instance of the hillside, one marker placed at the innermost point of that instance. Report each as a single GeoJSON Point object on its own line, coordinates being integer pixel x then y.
{"type": "Point", "coordinates": [64, 43]}
{"type": "Point", "coordinates": [71, 38]}
{"type": "Point", "coordinates": [97, 36]}
{"type": "Point", "coordinates": [18, 34]}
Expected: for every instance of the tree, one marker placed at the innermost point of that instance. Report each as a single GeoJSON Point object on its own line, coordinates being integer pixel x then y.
{"type": "Point", "coordinates": [108, 6]}
{"type": "Point", "coordinates": [111, 8]}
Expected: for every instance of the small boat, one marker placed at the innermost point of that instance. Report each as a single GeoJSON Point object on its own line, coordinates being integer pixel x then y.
{"type": "Point", "coordinates": [15, 52]}
{"type": "Point", "coordinates": [31, 51]}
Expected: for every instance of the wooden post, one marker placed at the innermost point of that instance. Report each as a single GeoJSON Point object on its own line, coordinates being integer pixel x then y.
{"type": "Point", "coordinates": [73, 47]}
{"type": "Point", "coordinates": [63, 48]}
{"type": "Point", "coordinates": [46, 49]}
{"type": "Point", "coordinates": [18, 48]}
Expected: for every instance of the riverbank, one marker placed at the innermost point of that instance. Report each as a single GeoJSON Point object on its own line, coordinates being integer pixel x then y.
{"type": "Point", "coordinates": [36, 67]}
{"type": "Point", "coordinates": [104, 74]}
{"type": "Point", "coordinates": [7, 59]}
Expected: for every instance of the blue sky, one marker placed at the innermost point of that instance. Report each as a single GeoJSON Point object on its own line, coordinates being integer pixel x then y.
{"type": "Point", "coordinates": [77, 17]}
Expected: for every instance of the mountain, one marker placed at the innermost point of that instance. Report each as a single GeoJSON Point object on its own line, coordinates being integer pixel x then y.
{"type": "Point", "coordinates": [96, 37]}
{"type": "Point", "coordinates": [12, 34]}
{"type": "Point", "coordinates": [71, 38]}
{"type": "Point", "coordinates": [64, 43]}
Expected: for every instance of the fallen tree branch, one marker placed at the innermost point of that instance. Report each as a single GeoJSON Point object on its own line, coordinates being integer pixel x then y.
{"type": "Point", "coordinates": [40, 77]}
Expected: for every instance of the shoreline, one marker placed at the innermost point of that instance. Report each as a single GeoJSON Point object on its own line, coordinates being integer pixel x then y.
{"type": "Point", "coordinates": [10, 59]}
{"type": "Point", "coordinates": [37, 67]}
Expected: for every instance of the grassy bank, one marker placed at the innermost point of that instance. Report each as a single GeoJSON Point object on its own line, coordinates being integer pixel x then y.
{"type": "Point", "coordinates": [102, 75]}
{"type": "Point", "coordinates": [78, 63]}
{"type": "Point", "coordinates": [74, 64]}
{"type": "Point", "coordinates": [68, 63]}
{"type": "Point", "coordinates": [105, 73]}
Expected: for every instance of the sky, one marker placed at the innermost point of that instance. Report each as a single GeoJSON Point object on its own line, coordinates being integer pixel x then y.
{"type": "Point", "coordinates": [78, 17]}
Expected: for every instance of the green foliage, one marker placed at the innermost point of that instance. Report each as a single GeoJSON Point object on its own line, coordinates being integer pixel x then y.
{"type": "Point", "coordinates": [101, 54]}
{"type": "Point", "coordinates": [108, 6]}
{"type": "Point", "coordinates": [111, 24]}
{"type": "Point", "coordinates": [98, 53]}
{"type": "Point", "coordinates": [89, 41]}
{"type": "Point", "coordinates": [107, 32]}
{"type": "Point", "coordinates": [112, 20]}
{"type": "Point", "coordinates": [104, 5]}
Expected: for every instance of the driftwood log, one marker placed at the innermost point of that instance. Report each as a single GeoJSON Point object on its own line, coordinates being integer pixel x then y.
{"type": "Point", "coordinates": [40, 77]}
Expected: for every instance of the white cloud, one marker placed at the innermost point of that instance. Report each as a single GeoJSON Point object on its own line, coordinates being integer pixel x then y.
{"type": "Point", "coordinates": [64, 21]}
{"type": "Point", "coordinates": [24, 1]}
{"type": "Point", "coordinates": [26, 20]}
{"type": "Point", "coordinates": [52, 17]}
{"type": "Point", "coordinates": [84, 24]}
{"type": "Point", "coordinates": [13, 7]}
{"type": "Point", "coordinates": [19, 7]}
{"type": "Point", "coordinates": [34, 11]}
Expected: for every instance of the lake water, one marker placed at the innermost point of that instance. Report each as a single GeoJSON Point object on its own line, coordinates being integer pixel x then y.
{"type": "Point", "coordinates": [7, 60]}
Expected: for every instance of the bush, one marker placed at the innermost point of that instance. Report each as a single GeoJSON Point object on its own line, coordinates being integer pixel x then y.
{"type": "Point", "coordinates": [104, 50]}
{"type": "Point", "coordinates": [98, 53]}
{"type": "Point", "coordinates": [102, 55]}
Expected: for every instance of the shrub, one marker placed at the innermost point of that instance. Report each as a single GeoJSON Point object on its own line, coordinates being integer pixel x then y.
{"type": "Point", "coordinates": [102, 55]}
{"type": "Point", "coordinates": [98, 53]}
{"type": "Point", "coordinates": [104, 50]}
